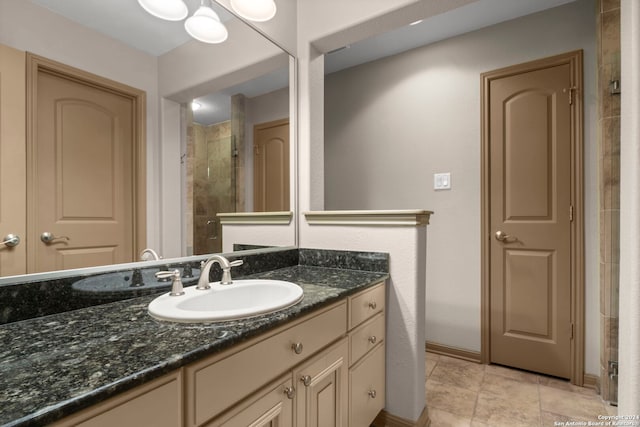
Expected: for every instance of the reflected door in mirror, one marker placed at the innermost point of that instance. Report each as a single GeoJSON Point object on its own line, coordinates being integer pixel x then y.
{"type": "Point", "coordinates": [12, 160]}
{"type": "Point", "coordinates": [271, 166]}
{"type": "Point", "coordinates": [82, 171]}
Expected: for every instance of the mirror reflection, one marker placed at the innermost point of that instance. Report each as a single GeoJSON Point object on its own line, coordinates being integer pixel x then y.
{"type": "Point", "coordinates": [120, 42]}
{"type": "Point", "coordinates": [237, 155]}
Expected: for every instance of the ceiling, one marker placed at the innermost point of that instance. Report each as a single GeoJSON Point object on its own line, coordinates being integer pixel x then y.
{"type": "Point", "coordinates": [126, 21]}
{"type": "Point", "coordinates": [473, 16]}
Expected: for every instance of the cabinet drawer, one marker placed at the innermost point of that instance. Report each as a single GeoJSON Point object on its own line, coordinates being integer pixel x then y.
{"type": "Point", "coordinates": [366, 336]}
{"type": "Point", "coordinates": [367, 388]}
{"type": "Point", "coordinates": [366, 304]}
{"type": "Point", "coordinates": [157, 403]}
{"type": "Point", "coordinates": [214, 385]}
{"type": "Point", "coordinates": [269, 406]}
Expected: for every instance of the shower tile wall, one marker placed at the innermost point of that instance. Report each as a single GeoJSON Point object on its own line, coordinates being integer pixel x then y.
{"type": "Point", "coordinates": [212, 184]}
{"type": "Point", "coordinates": [608, 30]}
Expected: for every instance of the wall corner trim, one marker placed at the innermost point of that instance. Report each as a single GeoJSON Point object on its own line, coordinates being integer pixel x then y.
{"type": "Point", "coordinates": [402, 218]}
{"type": "Point", "coordinates": [256, 218]}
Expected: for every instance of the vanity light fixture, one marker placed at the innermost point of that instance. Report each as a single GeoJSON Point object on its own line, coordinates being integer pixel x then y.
{"type": "Point", "coordinates": [195, 106]}
{"type": "Point", "coordinates": [205, 25]}
{"type": "Point", "coordinates": [255, 10]}
{"type": "Point", "coordinates": [171, 10]}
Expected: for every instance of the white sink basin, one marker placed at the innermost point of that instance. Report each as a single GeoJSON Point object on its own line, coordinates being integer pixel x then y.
{"type": "Point", "coordinates": [242, 299]}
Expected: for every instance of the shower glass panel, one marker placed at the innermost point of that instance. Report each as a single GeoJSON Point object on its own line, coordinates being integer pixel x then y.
{"type": "Point", "coordinates": [214, 183]}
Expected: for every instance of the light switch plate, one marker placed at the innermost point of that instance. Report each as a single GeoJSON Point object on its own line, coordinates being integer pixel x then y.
{"type": "Point", "coordinates": [442, 181]}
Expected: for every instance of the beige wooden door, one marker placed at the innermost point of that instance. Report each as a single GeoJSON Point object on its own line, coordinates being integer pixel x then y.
{"type": "Point", "coordinates": [13, 260]}
{"type": "Point", "coordinates": [81, 172]}
{"type": "Point", "coordinates": [530, 214]}
{"type": "Point", "coordinates": [271, 166]}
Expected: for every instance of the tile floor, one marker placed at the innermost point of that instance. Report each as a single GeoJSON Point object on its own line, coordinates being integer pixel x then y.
{"type": "Point", "coordinates": [461, 393]}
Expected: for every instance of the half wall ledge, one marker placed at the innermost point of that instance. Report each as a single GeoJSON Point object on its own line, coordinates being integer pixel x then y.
{"type": "Point", "coordinates": [402, 218]}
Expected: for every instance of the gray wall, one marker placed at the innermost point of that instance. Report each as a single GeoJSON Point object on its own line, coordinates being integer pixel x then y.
{"type": "Point", "coordinates": [391, 124]}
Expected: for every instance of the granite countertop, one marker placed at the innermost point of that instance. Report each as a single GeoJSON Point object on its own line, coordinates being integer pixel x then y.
{"type": "Point", "coordinates": [55, 365]}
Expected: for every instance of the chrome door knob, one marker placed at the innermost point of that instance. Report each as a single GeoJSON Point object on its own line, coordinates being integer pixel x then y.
{"type": "Point", "coordinates": [11, 240]}
{"type": "Point", "coordinates": [47, 237]}
{"type": "Point", "coordinates": [501, 236]}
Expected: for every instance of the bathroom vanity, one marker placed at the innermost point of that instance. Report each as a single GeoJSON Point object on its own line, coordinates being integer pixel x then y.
{"type": "Point", "coordinates": [322, 359]}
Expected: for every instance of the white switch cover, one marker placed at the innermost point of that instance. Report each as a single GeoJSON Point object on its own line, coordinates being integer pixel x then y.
{"type": "Point", "coordinates": [442, 181]}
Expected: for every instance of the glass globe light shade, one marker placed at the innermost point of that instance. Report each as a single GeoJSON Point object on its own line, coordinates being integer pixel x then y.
{"type": "Point", "coordinates": [171, 10]}
{"type": "Point", "coordinates": [255, 10]}
{"type": "Point", "coordinates": [205, 26]}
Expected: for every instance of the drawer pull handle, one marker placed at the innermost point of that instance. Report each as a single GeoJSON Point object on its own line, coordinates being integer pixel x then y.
{"type": "Point", "coordinates": [306, 380]}
{"type": "Point", "coordinates": [372, 394]}
{"type": "Point", "coordinates": [297, 347]}
{"type": "Point", "coordinates": [290, 392]}
{"type": "Point", "coordinates": [373, 305]}
{"type": "Point", "coordinates": [373, 339]}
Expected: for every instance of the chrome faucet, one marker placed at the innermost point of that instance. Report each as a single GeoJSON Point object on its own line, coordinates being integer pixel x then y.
{"type": "Point", "coordinates": [149, 251]}
{"type": "Point", "coordinates": [225, 265]}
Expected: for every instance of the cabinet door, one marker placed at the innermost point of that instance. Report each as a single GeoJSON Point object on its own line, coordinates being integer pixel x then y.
{"type": "Point", "coordinates": [367, 387]}
{"type": "Point", "coordinates": [271, 406]}
{"type": "Point", "coordinates": [322, 384]}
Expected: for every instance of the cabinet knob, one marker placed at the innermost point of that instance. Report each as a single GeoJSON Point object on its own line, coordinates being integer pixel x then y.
{"type": "Point", "coordinates": [306, 380]}
{"type": "Point", "coordinates": [373, 339]}
{"type": "Point", "coordinates": [297, 347]}
{"type": "Point", "coordinates": [290, 392]}
{"type": "Point", "coordinates": [372, 394]}
{"type": "Point", "coordinates": [373, 305]}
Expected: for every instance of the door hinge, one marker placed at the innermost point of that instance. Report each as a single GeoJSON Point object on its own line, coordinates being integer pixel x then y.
{"type": "Point", "coordinates": [571, 213]}
{"type": "Point", "coordinates": [613, 370]}
{"type": "Point", "coordinates": [571, 91]}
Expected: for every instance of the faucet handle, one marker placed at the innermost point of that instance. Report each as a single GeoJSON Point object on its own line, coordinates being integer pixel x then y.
{"type": "Point", "coordinates": [176, 284]}
{"type": "Point", "coordinates": [236, 263]}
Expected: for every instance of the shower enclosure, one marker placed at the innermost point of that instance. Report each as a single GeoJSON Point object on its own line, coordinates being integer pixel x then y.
{"type": "Point", "coordinates": [212, 163]}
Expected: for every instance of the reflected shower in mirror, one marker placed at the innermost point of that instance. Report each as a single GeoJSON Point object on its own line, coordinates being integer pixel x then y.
{"type": "Point", "coordinates": [231, 163]}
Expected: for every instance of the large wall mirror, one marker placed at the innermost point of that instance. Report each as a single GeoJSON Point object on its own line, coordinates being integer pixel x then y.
{"type": "Point", "coordinates": [198, 161]}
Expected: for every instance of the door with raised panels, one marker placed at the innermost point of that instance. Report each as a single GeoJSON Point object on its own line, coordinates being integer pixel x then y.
{"type": "Point", "coordinates": [271, 166]}
{"type": "Point", "coordinates": [81, 173]}
{"type": "Point", "coordinates": [530, 214]}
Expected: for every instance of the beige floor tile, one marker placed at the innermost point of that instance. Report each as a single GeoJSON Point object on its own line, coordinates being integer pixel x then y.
{"type": "Point", "coordinates": [498, 412]}
{"type": "Point", "coordinates": [432, 356]}
{"type": "Point", "coordinates": [509, 389]}
{"type": "Point", "coordinates": [611, 410]}
{"type": "Point", "coordinates": [441, 418]}
{"type": "Point", "coordinates": [565, 385]}
{"type": "Point", "coordinates": [514, 374]}
{"type": "Point", "coordinates": [570, 404]}
{"type": "Point", "coordinates": [455, 400]}
{"type": "Point", "coordinates": [458, 373]}
{"type": "Point", "coordinates": [429, 364]}
{"type": "Point", "coordinates": [458, 362]}
{"type": "Point", "coordinates": [550, 419]}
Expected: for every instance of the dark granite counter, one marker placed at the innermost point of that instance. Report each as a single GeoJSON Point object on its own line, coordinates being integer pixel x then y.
{"type": "Point", "coordinates": [55, 365]}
